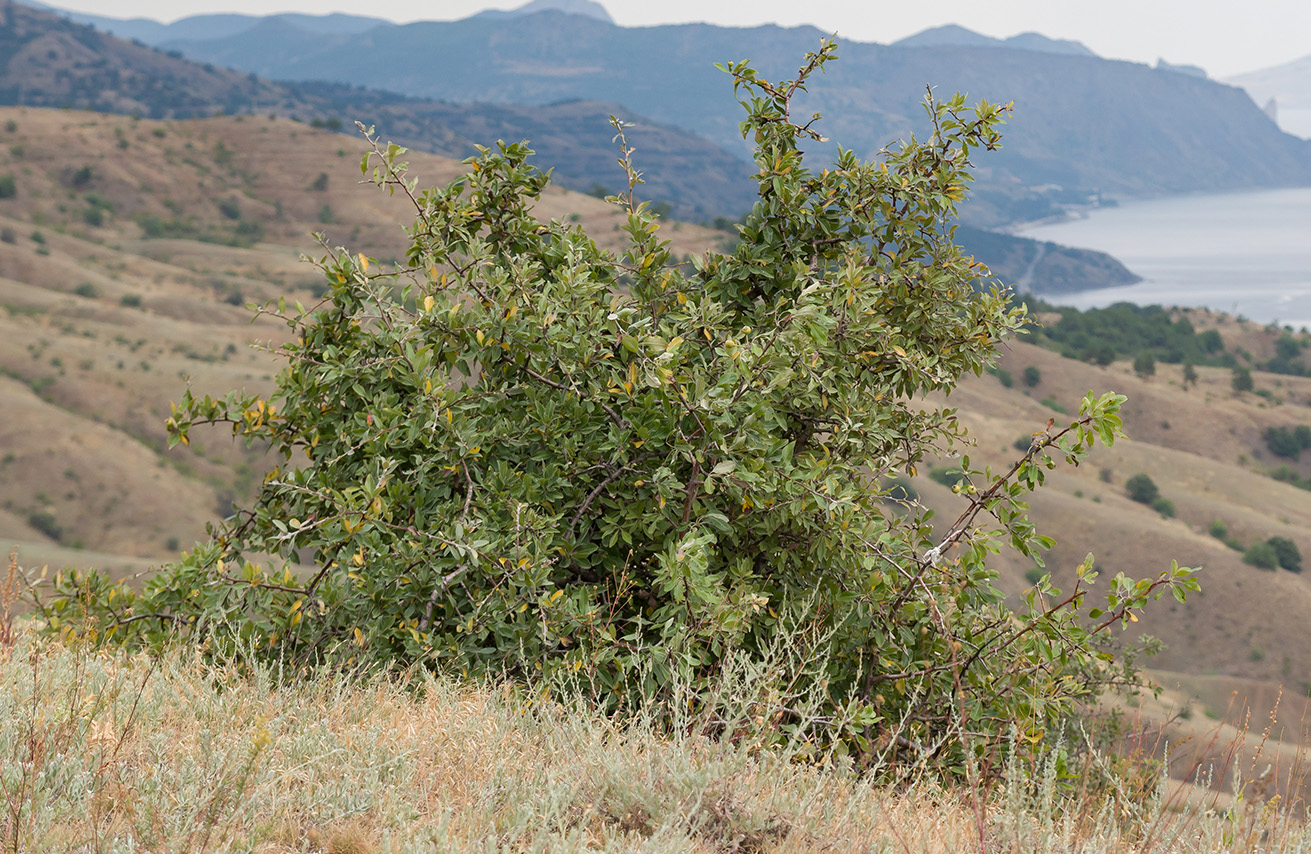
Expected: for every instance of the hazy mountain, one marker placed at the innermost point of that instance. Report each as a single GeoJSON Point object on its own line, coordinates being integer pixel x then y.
{"type": "Point", "coordinates": [1190, 70]}
{"type": "Point", "coordinates": [1290, 87]}
{"type": "Point", "coordinates": [569, 7]}
{"type": "Point", "coordinates": [1082, 125]}
{"type": "Point", "coordinates": [214, 26]}
{"type": "Point", "coordinates": [954, 35]}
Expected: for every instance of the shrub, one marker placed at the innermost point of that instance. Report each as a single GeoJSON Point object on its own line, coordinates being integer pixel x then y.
{"type": "Point", "coordinates": [1144, 365]}
{"type": "Point", "coordinates": [1023, 443]}
{"type": "Point", "coordinates": [1164, 506]}
{"type": "Point", "coordinates": [88, 290]}
{"type": "Point", "coordinates": [947, 475]}
{"type": "Point", "coordinates": [1219, 529]}
{"type": "Point", "coordinates": [1241, 380]}
{"type": "Point", "coordinates": [8, 186]}
{"type": "Point", "coordinates": [531, 458]}
{"type": "Point", "coordinates": [1032, 376]}
{"type": "Point", "coordinates": [1261, 556]}
{"type": "Point", "coordinates": [1285, 442]}
{"type": "Point", "coordinates": [1004, 377]}
{"type": "Point", "coordinates": [1142, 489]}
{"type": "Point", "coordinates": [320, 183]}
{"type": "Point", "coordinates": [130, 300]}
{"type": "Point", "coordinates": [1289, 556]}
{"type": "Point", "coordinates": [47, 523]}
{"type": "Point", "coordinates": [230, 207]}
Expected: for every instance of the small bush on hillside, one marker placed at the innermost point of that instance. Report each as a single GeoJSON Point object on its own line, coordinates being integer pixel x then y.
{"type": "Point", "coordinates": [1290, 557]}
{"type": "Point", "coordinates": [1004, 377]}
{"type": "Point", "coordinates": [1218, 529]}
{"type": "Point", "coordinates": [947, 475]}
{"type": "Point", "coordinates": [1032, 376]}
{"type": "Point", "coordinates": [320, 183]}
{"type": "Point", "coordinates": [1286, 442]}
{"type": "Point", "coordinates": [1241, 380]}
{"type": "Point", "coordinates": [8, 186]}
{"type": "Point", "coordinates": [1261, 556]}
{"type": "Point", "coordinates": [1142, 489]}
{"type": "Point", "coordinates": [1164, 506]}
{"type": "Point", "coordinates": [87, 290]}
{"type": "Point", "coordinates": [130, 300]}
{"type": "Point", "coordinates": [47, 523]}
{"type": "Point", "coordinates": [1023, 443]}
{"type": "Point", "coordinates": [524, 457]}
{"type": "Point", "coordinates": [1144, 365]}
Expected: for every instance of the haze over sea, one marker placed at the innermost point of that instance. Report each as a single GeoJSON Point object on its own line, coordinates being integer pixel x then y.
{"type": "Point", "coordinates": [1243, 253]}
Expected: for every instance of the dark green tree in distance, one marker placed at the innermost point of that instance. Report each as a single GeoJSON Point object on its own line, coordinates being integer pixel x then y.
{"type": "Point", "coordinates": [519, 456]}
{"type": "Point", "coordinates": [1241, 380]}
{"type": "Point", "coordinates": [1142, 489]}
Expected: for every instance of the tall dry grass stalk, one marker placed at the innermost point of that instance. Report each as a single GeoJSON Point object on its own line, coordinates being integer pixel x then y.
{"type": "Point", "coordinates": [105, 753]}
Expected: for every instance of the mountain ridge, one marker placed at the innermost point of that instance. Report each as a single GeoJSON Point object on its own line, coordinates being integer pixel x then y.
{"type": "Point", "coordinates": [1081, 122]}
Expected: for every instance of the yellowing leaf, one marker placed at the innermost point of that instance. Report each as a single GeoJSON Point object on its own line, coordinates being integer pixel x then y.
{"type": "Point", "coordinates": [358, 560]}
{"type": "Point", "coordinates": [427, 303]}
{"type": "Point", "coordinates": [364, 263]}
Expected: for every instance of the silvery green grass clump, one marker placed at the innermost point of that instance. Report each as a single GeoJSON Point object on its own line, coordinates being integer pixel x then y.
{"type": "Point", "coordinates": [522, 459]}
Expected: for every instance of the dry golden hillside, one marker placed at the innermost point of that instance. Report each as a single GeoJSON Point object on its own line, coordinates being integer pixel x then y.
{"type": "Point", "coordinates": [128, 249]}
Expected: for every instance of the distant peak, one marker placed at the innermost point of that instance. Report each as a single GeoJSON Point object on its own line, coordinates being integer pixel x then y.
{"type": "Point", "coordinates": [587, 8]}
{"type": "Point", "coordinates": [954, 35]}
{"type": "Point", "coordinates": [948, 34]}
{"type": "Point", "coordinates": [1190, 70]}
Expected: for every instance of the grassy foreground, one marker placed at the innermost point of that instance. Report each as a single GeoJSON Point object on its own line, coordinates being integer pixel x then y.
{"type": "Point", "coordinates": [104, 753]}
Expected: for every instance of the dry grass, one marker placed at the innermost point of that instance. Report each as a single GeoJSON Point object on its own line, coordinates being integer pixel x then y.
{"type": "Point", "coordinates": [107, 754]}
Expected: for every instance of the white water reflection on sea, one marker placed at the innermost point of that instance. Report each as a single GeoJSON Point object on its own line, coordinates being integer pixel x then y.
{"type": "Point", "coordinates": [1243, 253]}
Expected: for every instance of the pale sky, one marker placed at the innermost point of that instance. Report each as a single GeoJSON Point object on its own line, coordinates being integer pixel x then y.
{"type": "Point", "coordinates": [1223, 36]}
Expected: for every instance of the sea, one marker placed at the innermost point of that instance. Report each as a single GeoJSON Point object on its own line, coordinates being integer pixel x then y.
{"type": "Point", "coordinates": [1246, 253]}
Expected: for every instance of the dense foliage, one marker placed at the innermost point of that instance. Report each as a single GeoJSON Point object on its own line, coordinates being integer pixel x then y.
{"type": "Point", "coordinates": [1103, 335]}
{"type": "Point", "coordinates": [522, 456]}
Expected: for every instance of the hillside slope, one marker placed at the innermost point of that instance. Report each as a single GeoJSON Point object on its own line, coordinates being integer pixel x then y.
{"type": "Point", "coordinates": [48, 61]}
{"type": "Point", "coordinates": [127, 251]}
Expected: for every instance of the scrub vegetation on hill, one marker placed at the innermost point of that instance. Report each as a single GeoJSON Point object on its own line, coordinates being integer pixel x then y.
{"type": "Point", "coordinates": [520, 456]}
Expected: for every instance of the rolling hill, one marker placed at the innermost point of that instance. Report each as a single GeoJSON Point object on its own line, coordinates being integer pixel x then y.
{"type": "Point", "coordinates": [49, 61]}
